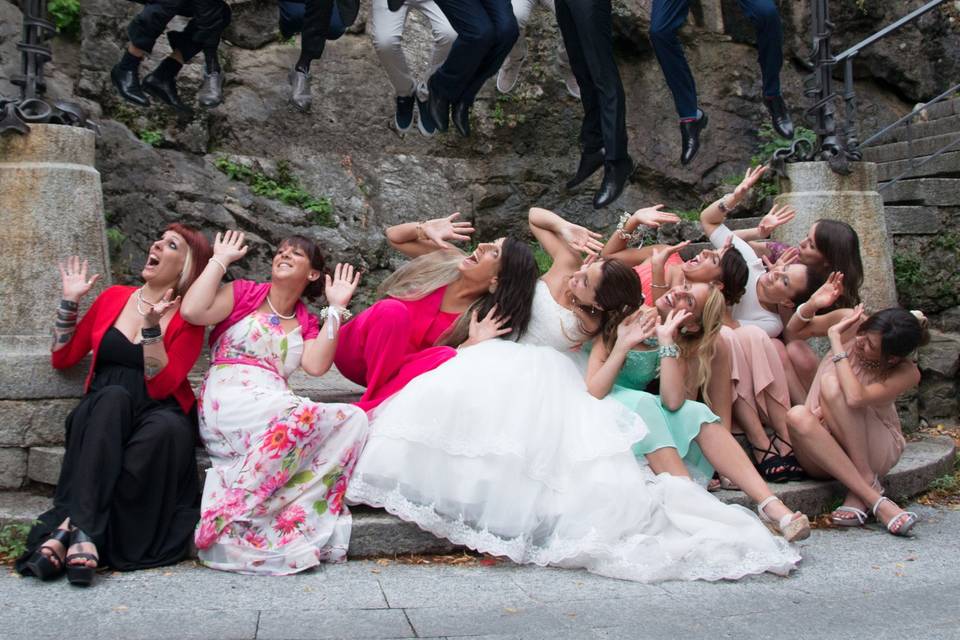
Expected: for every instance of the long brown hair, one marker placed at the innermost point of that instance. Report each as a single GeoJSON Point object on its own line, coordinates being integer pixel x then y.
{"type": "Point", "coordinates": [618, 295]}
{"type": "Point", "coordinates": [703, 343]}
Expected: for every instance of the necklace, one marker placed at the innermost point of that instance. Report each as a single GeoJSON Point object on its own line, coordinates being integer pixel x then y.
{"type": "Point", "coordinates": [277, 313]}
{"type": "Point", "coordinates": [141, 301]}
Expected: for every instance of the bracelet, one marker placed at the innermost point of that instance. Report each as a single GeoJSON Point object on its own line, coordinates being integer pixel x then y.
{"type": "Point", "coordinates": [219, 264]}
{"type": "Point", "coordinates": [334, 312]}
{"type": "Point", "coordinates": [421, 235]}
{"type": "Point", "coordinates": [69, 305]}
{"type": "Point", "coordinates": [723, 206]}
{"type": "Point", "coordinates": [659, 286]}
{"type": "Point", "coordinates": [629, 236]}
{"type": "Point", "coordinates": [669, 351]}
{"type": "Point", "coordinates": [150, 332]}
{"type": "Point", "coordinates": [801, 316]}
{"type": "Point", "coordinates": [151, 340]}
{"type": "Point", "coordinates": [839, 356]}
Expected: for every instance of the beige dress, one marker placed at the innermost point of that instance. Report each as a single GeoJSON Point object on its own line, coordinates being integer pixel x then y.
{"type": "Point", "coordinates": [756, 372]}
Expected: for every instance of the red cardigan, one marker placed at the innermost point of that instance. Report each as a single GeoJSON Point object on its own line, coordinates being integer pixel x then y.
{"type": "Point", "coordinates": [182, 341]}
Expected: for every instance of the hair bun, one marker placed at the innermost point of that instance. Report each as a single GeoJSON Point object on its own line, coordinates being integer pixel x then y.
{"type": "Point", "coordinates": [922, 319]}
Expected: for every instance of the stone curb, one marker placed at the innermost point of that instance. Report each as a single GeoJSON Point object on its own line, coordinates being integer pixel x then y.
{"type": "Point", "coordinates": [376, 533]}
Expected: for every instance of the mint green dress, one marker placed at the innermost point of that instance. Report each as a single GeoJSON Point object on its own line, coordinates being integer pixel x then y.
{"type": "Point", "coordinates": [675, 429]}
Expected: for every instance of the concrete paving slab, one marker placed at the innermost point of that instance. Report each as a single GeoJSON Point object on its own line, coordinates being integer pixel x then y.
{"type": "Point", "coordinates": [452, 592]}
{"type": "Point", "coordinates": [551, 585]}
{"type": "Point", "coordinates": [362, 624]}
{"type": "Point", "coordinates": [478, 621]}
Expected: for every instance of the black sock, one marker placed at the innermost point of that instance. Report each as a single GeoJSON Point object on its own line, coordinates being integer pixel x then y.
{"type": "Point", "coordinates": [211, 63]}
{"type": "Point", "coordinates": [167, 69]}
{"type": "Point", "coordinates": [303, 63]}
{"type": "Point", "coordinates": [130, 62]}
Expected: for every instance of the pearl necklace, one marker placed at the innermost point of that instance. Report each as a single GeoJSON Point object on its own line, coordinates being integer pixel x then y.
{"type": "Point", "coordinates": [277, 313]}
{"type": "Point", "coordinates": [141, 301]}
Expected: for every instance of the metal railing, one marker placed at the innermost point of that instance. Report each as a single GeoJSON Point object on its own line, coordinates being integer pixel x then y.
{"type": "Point", "coordinates": [837, 138]}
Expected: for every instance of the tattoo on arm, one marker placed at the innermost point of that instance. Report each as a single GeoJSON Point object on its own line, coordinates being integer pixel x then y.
{"type": "Point", "coordinates": [152, 366]}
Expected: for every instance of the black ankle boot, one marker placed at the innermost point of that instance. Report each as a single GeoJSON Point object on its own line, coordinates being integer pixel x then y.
{"type": "Point", "coordinates": [590, 161]}
{"type": "Point", "coordinates": [779, 116]}
{"type": "Point", "coordinates": [125, 76]}
{"type": "Point", "coordinates": [162, 84]}
{"type": "Point", "coordinates": [690, 137]}
{"type": "Point", "coordinates": [439, 108]}
{"type": "Point", "coordinates": [615, 176]}
{"type": "Point", "coordinates": [461, 118]}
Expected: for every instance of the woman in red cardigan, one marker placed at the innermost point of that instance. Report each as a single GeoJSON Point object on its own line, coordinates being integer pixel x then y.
{"type": "Point", "coordinates": [127, 493]}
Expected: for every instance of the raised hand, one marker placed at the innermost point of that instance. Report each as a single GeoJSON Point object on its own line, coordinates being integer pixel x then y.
{"type": "Point", "coordinates": [439, 230]}
{"type": "Point", "coordinates": [156, 311]}
{"type": "Point", "coordinates": [653, 217]}
{"type": "Point", "coordinates": [668, 329]}
{"type": "Point", "coordinates": [828, 293]}
{"type": "Point", "coordinates": [581, 239]}
{"type": "Point", "coordinates": [228, 246]}
{"type": "Point", "coordinates": [750, 178]}
{"type": "Point", "coordinates": [492, 326]}
{"type": "Point", "coordinates": [339, 289]}
{"type": "Point", "coordinates": [663, 252]}
{"type": "Point", "coordinates": [73, 275]}
{"type": "Point", "coordinates": [837, 330]}
{"type": "Point", "coordinates": [788, 257]}
{"type": "Point", "coordinates": [779, 215]}
{"type": "Point", "coordinates": [636, 328]}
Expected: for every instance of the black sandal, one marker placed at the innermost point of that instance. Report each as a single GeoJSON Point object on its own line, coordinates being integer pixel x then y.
{"type": "Point", "coordinates": [792, 468]}
{"type": "Point", "coordinates": [774, 467]}
{"type": "Point", "coordinates": [48, 566]}
{"type": "Point", "coordinates": [81, 575]}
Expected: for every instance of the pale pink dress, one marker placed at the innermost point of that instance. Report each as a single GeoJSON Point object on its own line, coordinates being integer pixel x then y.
{"type": "Point", "coordinates": [755, 369]}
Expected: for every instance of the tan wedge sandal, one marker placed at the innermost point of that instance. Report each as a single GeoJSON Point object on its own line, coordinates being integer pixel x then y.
{"type": "Point", "coordinates": [792, 526]}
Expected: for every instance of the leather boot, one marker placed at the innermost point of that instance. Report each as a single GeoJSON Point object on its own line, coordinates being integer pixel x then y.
{"type": "Point", "coordinates": [300, 96]}
{"type": "Point", "coordinates": [615, 176]}
{"type": "Point", "coordinates": [439, 109]}
{"type": "Point", "coordinates": [779, 116]}
{"type": "Point", "coordinates": [690, 137]}
{"type": "Point", "coordinates": [162, 85]}
{"type": "Point", "coordinates": [211, 89]}
{"type": "Point", "coordinates": [590, 161]}
{"type": "Point", "coordinates": [461, 119]}
{"type": "Point", "coordinates": [127, 84]}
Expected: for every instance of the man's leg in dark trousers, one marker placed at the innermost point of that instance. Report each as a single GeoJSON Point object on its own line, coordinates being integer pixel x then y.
{"type": "Point", "coordinates": [666, 18]}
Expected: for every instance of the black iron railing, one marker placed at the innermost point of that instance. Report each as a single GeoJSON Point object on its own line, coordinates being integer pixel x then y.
{"type": "Point", "coordinates": [838, 137]}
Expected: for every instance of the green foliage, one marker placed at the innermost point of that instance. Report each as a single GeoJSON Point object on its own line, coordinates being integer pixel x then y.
{"type": "Point", "coordinates": [908, 271]}
{"type": "Point", "coordinates": [693, 215]}
{"type": "Point", "coordinates": [769, 143]}
{"type": "Point", "coordinates": [13, 540]}
{"type": "Point", "coordinates": [284, 186]}
{"type": "Point", "coordinates": [544, 260]}
{"type": "Point", "coordinates": [66, 15]}
{"type": "Point", "coordinates": [115, 240]}
{"type": "Point", "coordinates": [500, 117]}
{"type": "Point", "coordinates": [948, 242]}
{"type": "Point", "coordinates": [152, 137]}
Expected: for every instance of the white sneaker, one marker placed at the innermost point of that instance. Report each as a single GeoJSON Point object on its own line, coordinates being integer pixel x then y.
{"type": "Point", "coordinates": [507, 76]}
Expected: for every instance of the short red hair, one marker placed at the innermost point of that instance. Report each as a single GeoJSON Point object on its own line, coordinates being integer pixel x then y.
{"type": "Point", "coordinates": [199, 254]}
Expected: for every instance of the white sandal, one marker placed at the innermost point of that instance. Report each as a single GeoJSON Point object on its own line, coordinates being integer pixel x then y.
{"type": "Point", "coordinates": [792, 526]}
{"type": "Point", "coordinates": [858, 520]}
{"type": "Point", "coordinates": [906, 525]}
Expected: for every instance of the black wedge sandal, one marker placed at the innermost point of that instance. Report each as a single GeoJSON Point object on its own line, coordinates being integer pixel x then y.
{"type": "Point", "coordinates": [772, 466]}
{"type": "Point", "coordinates": [791, 466]}
{"type": "Point", "coordinates": [47, 566]}
{"type": "Point", "coordinates": [81, 575]}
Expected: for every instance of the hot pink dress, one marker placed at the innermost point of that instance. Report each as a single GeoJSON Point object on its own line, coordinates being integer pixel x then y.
{"type": "Point", "coordinates": [391, 343]}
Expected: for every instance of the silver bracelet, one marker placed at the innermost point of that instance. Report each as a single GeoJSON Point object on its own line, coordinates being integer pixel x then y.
{"type": "Point", "coordinates": [331, 313]}
{"type": "Point", "coordinates": [629, 236]}
{"type": "Point", "coordinates": [668, 351]}
{"type": "Point", "coordinates": [801, 316]}
{"type": "Point", "coordinates": [839, 356]}
{"type": "Point", "coordinates": [219, 264]}
{"type": "Point", "coordinates": [152, 340]}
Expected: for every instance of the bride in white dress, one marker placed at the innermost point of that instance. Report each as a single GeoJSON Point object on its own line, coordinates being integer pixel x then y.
{"type": "Point", "coordinates": [501, 449]}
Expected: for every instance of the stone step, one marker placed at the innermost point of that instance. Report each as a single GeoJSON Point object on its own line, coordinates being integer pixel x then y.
{"type": "Point", "coordinates": [912, 220]}
{"type": "Point", "coordinates": [917, 130]}
{"type": "Point", "coordinates": [904, 150]}
{"type": "Point", "coordinates": [943, 109]}
{"type": "Point", "coordinates": [376, 533]}
{"type": "Point", "coordinates": [944, 165]}
{"type": "Point", "coordinates": [938, 192]}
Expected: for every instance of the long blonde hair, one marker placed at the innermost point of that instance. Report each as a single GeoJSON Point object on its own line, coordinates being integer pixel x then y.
{"type": "Point", "coordinates": [422, 275]}
{"type": "Point", "coordinates": [703, 343]}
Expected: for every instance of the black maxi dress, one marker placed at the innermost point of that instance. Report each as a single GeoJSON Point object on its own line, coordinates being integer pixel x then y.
{"type": "Point", "coordinates": [129, 475]}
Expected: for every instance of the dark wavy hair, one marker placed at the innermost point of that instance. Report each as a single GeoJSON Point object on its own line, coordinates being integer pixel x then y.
{"type": "Point", "coordinates": [314, 289]}
{"type": "Point", "coordinates": [734, 276]}
{"type": "Point", "coordinates": [618, 295]}
{"type": "Point", "coordinates": [900, 331]}
{"type": "Point", "coordinates": [513, 295]}
{"type": "Point", "coordinates": [815, 279]}
{"type": "Point", "coordinates": [840, 246]}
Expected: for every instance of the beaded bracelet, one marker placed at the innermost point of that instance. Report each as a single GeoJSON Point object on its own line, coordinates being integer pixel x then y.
{"type": "Point", "coordinates": [631, 236]}
{"type": "Point", "coordinates": [151, 340]}
{"type": "Point", "coordinates": [334, 312]}
{"type": "Point", "coordinates": [669, 351]}
{"type": "Point", "coordinates": [838, 357]}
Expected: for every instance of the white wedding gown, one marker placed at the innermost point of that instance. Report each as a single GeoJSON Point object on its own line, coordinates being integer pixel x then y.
{"type": "Point", "coordinates": [501, 449]}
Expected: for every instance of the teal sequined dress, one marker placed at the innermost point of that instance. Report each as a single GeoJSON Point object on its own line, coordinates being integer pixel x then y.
{"type": "Point", "coordinates": [667, 428]}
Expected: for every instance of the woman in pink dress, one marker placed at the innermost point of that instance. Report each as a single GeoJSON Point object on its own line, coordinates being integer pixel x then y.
{"type": "Point", "coordinates": [273, 499]}
{"type": "Point", "coordinates": [428, 302]}
{"type": "Point", "coordinates": [848, 428]}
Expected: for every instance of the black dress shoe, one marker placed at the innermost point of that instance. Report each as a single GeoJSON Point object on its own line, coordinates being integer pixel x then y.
{"type": "Point", "coordinates": [461, 118]}
{"type": "Point", "coordinates": [165, 90]}
{"type": "Point", "coordinates": [590, 161]}
{"type": "Point", "coordinates": [780, 116]}
{"type": "Point", "coordinates": [127, 83]}
{"type": "Point", "coordinates": [439, 109]}
{"type": "Point", "coordinates": [690, 137]}
{"type": "Point", "coordinates": [615, 176]}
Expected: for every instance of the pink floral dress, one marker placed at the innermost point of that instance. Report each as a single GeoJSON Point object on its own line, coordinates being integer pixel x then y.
{"type": "Point", "coordinates": [273, 499]}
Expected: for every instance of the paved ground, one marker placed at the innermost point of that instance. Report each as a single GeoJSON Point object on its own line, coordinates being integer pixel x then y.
{"type": "Point", "coordinates": [851, 584]}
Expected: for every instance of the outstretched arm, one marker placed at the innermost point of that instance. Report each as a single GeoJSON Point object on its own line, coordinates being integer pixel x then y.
{"type": "Point", "coordinates": [716, 213]}
{"type": "Point", "coordinates": [414, 239]}
{"type": "Point", "coordinates": [318, 352]}
{"type": "Point", "coordinates": [206, 302]}
{"type": "Point", "coordinates": [563, 240]}
{"type": "Point", "coordinates": [617, 246]}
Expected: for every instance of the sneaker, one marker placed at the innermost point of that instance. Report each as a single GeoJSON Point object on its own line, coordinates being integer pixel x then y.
{"type": "Point", "coordinates": [404, 115]}
{"type": "Point", "coordinates": [572, 87]}
{"type": "Point", "coordinates": [508, 74]}
{"type": "Point", "coordinates": [425, 122]}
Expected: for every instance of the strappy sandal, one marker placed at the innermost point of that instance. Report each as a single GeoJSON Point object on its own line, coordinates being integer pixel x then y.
{"type": "Point", "coordinates": [81, 575]}
{"type": "Point", "coordinates": [47, 566]}
{"type": "Point", "coordinates": [906, 519]}
{"type": "Point", "coordinates": [719, 482]}
{"type": "Point", "coordinates": [792, 526]}
{"type": "Point", "coordinates": [772, 466]}
{"type": "Point", "coordinates": [858, 520]}
{"type": "Point", "coordinates": [792, 468]}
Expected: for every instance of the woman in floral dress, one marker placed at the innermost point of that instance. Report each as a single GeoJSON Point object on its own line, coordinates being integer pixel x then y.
{"type": "Point", "coordinates": [273, 499]}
